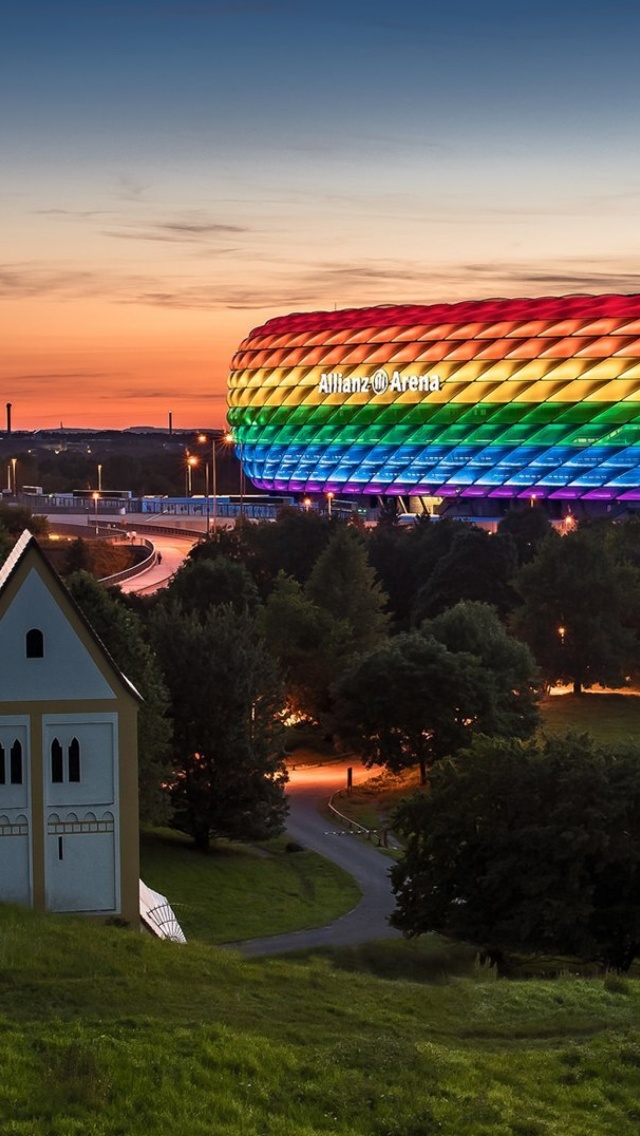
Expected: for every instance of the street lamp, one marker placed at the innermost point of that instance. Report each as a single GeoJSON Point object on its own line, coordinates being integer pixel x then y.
{"type": "Point", "coordinates": [191, 461]}
{"type": "Point", "coordinates": [14, 463]}
{"type": "Point", "coordinates": [214, 478]}
{"type": "Point", "coordinates": [99, 479]}
{"type": "Point", "coordinates": [330, 497]}
{"type": "Point", "coordinates": [307, 504]}
{"type": "Point", "coordinates": [96, 498]}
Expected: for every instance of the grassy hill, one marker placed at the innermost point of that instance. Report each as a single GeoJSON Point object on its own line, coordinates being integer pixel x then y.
{"type": "Point", "coordinates": [103, 1031]}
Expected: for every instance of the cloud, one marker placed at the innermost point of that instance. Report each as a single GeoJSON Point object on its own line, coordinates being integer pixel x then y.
{"type": "Point", "coordinates": [19, 282]}
{"type": "Point", "coordinates": [187, 230]}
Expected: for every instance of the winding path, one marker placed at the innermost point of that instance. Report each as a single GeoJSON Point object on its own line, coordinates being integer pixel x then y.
{"type": "Point", "coordinates": [309, 787]}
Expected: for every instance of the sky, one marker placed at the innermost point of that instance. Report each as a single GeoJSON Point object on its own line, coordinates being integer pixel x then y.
{"type": "Point", "coordinates": [173, 174]}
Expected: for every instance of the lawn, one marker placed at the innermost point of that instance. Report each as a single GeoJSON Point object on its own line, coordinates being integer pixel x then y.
{"type": "Point", "coordinates": [241, 892]}
{"type": "Point", "coordinates": [608, 717]}
{"type": "Point", "coordinates": [105, 1032]}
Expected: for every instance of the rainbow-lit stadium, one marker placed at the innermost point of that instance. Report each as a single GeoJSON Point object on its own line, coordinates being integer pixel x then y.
{"type": "Point", "coordinates": [493, 398]}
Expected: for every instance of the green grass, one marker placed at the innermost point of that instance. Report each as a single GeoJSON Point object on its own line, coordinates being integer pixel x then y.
{"type": "Point", "coordinates": [104, 1032]}
{"type": "Point", "coordinates": [608, 717]}
{"type": "Point", "coordinates": [239, 892]}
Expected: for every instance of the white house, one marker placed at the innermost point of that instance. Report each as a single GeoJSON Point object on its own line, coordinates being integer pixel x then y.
{"type": "Point", "coordinates": [68, 752]}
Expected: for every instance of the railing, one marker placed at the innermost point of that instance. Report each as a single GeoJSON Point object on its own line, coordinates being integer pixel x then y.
{"type": "Point", "coordinates": [135, 569]}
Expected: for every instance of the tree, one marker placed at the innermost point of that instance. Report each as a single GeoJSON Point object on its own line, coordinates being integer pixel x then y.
{"type": "Point", "coordinates": [528, 526]}
{"type": "Point", "coordinates": [478, 566]}
{"type": "Point", "coordinates": [411, 702]}
{"type": "Point", "coordinates": [226, 702]}
{"type": "Point", "coordinates": [344, 584]}
{"type": "Point", "coordinates": [575, 604]}
{"type": "Point", "coordinates": [476, 629]}
{"type": "Point", "coordinates": [405, 557]}
{"type": "Point", "coordinates": [307, 642]}
{"type": "Point", "coordinates": [525, 846]}
{"type": "Point", "coordinates": [121, 632]}
{"type": "Point", "coordinates": [16, 518]}
{"type": "Point", "coordinates": [201, 584]}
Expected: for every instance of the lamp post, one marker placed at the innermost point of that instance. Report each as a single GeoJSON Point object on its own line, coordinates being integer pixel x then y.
{"type": "Point", "coordinates": [330, 497]}
{"type": "Point", "coordinates": [96, 498]}
{"type": "Point", "coordinates": [191, 461]}
{"type": "Point", "coordinates": [99, 479]}
{"type": "Point", "coordinates": [14, 463]}
{"type": "Point", "coordinates": [214, 479]}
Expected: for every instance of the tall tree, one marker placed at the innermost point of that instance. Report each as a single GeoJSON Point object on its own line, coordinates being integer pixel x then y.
{"type": "Point", "coordinates": [527, 847]}
{"type": "Point", "coordinates": [308, 643]}
{"type": "Point", "coordinates": [121, 631]}
{"type": "Point", "coordinates": [344, 584]}
{"type": "Point", "coordinates": [576, 603]}
{"type": "Point", "coordinates": [226, 702]}
{"type": "Point", "coordinates": [478, 566]}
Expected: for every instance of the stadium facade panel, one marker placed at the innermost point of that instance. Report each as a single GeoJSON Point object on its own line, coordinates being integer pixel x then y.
{"type": "Point", "coordinates": [488, 398]}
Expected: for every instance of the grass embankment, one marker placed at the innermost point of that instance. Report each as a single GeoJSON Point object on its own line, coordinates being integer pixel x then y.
{"type": "Point", "coordinates": [239, 892]}
{"type": "Point", "coordinates": [108, 1033]}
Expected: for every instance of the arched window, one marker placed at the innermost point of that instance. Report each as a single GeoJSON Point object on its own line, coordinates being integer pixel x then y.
{"type": "Point", "coordinates": [56, 760]}
{"type": "Point", "coordinates": [35, 644]}
{"type": "Point", "coordinates": [74, 760]}
{"type": "Point", "coordinates": [16, 763]}
{"type": "Point", "coordinates": [3, 775]}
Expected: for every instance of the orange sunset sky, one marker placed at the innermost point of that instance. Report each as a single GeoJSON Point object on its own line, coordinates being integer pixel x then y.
{"type": "Point", "coordinates": [174, 174]}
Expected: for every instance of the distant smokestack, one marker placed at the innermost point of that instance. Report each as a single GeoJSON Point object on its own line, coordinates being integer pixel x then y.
{"type": "Point", "coordinates": [8, 418]}
{"type": "Point", "coordinates": [170, 422]}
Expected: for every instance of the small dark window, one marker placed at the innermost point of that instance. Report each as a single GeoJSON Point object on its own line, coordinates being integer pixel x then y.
{"type": "Point", "coordinates": [74, 760]}
{"type": "Point", "coordinates": [56, 760]}
{"type": "Point", "coordinates": [35, 644]}
{"type": "Point", "coordinates": [16, 763]}
{"type": "Point", "coordinates": [3, 775]}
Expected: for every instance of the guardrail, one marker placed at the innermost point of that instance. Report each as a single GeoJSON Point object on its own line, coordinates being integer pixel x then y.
{"type": "Point", "coordinates": [381, 835]}
{"type": "Point", "coordinates": [135, 569]}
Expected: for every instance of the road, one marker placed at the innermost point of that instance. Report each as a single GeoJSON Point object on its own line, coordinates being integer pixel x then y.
{"type": "Point", "coordinates": [309, 787]}
{"type": "Point", "coordinates": [173, 550]}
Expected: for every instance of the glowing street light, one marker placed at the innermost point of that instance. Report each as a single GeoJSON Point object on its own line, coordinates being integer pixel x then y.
{"type": "Point", "coordinates": [562, 631]}
{"type": "Point", "coordinates": [191, 461]}
{"type": "Point", "coordinates": [307, 504]}
{"type": "Point", "coordinates": [330, 497]}
{"type": "Point", "coordinates": [96, 498]}
{"type": "Point", "coordinates": [99, 479]}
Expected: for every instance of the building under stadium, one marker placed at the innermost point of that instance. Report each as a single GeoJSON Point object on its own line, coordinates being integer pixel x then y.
{"type": "Point", "coordinates": [491, 399]}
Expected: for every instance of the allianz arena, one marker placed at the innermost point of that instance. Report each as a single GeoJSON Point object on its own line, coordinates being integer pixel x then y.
{"type": "Point", "coordinates": [491, 398]}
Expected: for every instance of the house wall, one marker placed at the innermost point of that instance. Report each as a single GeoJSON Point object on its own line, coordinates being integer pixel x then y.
{"type": "Point", "coordinates": [65, 846]}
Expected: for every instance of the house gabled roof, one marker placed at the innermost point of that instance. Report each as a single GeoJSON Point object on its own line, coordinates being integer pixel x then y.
{"type": "Point", "coordinates": [27, 546]}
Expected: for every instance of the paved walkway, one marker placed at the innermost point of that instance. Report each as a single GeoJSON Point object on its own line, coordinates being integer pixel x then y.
{"type": "Point", "coordinates": [308, 789]}
{"type": "Point", "coordinates": [173, 550]}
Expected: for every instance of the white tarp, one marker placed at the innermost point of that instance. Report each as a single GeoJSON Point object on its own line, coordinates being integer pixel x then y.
{"type": "Point", "coordinates": [158, 916]}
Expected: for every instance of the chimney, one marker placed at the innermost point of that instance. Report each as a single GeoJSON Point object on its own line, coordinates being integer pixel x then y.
{"type": "Point", "coordinates": [170, 422]}
{"type": "Point", "coordinates": [8, 418]}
